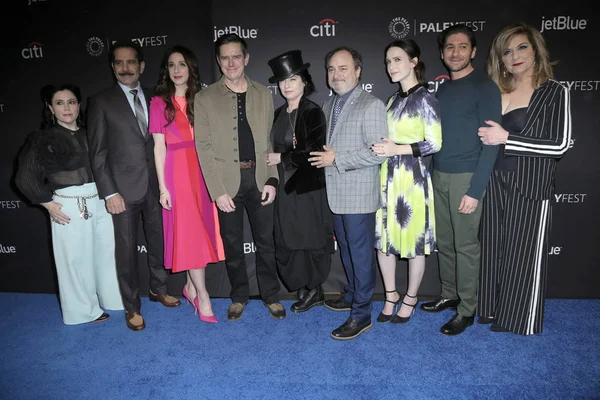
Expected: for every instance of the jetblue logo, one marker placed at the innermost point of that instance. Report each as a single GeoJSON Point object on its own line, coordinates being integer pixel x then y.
{"type": "Point", "coordinates": [563, 23]}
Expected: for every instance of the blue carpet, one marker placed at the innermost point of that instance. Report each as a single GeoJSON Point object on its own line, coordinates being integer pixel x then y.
{"type": "Point", "coordinates": [179, 357]}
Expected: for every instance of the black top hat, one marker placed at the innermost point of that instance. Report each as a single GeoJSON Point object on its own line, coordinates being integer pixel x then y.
{"type": "Point", "coordinates": [286, 65]}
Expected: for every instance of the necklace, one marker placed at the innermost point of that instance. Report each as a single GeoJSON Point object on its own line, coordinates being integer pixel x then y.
{"type": "Point", "coordinates": [292, 125]}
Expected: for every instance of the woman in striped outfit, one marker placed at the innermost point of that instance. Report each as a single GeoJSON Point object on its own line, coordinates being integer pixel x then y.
{"type": "Point", "coordinates": [535, 132]}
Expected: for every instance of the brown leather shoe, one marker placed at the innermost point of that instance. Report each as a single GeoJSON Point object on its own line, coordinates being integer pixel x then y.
{"type": "Point", "coordinates": [134, 321]}
{"type": "Point", "coordinates": [165, 299]}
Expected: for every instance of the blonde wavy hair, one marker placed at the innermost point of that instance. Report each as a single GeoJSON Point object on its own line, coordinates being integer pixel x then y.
{"type": "Point", "coordinates": [542, 67]}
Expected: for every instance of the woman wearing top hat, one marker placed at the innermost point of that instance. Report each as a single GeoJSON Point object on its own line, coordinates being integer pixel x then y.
{"type": "Point", "coordinates": [303, 232]}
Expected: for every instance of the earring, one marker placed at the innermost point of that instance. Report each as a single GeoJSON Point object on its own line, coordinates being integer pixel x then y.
{"type": "Point", "coordinates": [504, 73]}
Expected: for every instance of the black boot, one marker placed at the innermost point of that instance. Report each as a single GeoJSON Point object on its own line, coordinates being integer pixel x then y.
{"type": "Point", "coordinates": [314, 297]}
{"type": "Point", "coordinates": [301, 293]}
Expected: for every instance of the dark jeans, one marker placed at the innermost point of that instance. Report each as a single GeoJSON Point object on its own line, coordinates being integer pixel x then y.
{"type": "Point", "coordinates": [355, 234]}
{"type": "Point", "coordinates": [232, 233]}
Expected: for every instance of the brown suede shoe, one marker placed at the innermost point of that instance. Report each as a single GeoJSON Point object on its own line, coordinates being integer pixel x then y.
{"type": "Point", "coordinates": [134, 321]}
{"type": "Point", "coordinates": [236, 310]}
{"type": "Point", "coordinates": [165, 299]}
{"type": "Point", "coordinates": [276, 310]}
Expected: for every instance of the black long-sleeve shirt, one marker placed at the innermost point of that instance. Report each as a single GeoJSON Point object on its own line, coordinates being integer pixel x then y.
{"type": "Point", "coordinates": [52, 159]}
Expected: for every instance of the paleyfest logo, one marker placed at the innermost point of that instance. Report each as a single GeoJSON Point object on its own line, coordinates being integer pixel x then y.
{"type": "Point", "coordinates": [94, 46]}
{"type": "Point", "coordinates": [582, 85]}
{"type": "Point", "coordinates": [399, 27]}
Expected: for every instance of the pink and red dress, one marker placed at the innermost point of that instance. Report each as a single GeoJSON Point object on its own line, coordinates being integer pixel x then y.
{"type": "Point", "coordinates": [191, 227]}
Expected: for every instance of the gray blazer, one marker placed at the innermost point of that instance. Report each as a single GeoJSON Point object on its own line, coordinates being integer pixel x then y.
{"type": "Point", "coordinates": [353, 185]}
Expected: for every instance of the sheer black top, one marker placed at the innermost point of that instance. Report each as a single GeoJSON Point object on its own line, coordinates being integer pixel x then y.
{"type": "Point", "coordinates": [52, 159]}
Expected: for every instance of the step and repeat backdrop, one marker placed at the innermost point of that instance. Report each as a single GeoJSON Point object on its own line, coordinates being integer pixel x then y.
{"type": "Point", "coordinates": [68, 41]}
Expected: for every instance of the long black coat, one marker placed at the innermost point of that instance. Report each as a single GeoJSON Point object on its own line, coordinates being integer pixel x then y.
{"type": "Point", "coordinates": [303, 231]}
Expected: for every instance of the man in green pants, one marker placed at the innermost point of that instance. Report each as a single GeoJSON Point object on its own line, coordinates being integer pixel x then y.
{"type": "Point", "coordinates": [461, 171]}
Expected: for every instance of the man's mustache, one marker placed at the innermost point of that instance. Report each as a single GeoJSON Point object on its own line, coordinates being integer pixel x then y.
{"type": "Point", "coordinates": [126, 73]}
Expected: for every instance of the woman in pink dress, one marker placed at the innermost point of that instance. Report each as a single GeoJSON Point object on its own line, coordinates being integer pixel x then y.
{"type": "Point", "coordinates": [191, 228]}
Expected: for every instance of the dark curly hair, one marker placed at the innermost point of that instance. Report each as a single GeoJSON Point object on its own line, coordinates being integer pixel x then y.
{"type": "Point", "coordinates": [165, 88]}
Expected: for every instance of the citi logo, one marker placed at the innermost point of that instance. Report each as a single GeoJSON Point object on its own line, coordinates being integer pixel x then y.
{"type": "Point", "coordinates": [7, 249]}
{"type": "Point", "coordinates": [326, 27]}
{"type": "Point", "coordinates": [33, 50]}
{"type": "Point", "coordinates": [563, 23]}
{"type": "Point", "coordinates": [435, 84]}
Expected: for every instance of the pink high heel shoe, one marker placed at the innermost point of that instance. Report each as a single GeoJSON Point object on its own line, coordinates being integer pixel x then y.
{"type": "Point", "coordinates": [210, 319]}
{"type": "Point", "coordinates": [187, 299]}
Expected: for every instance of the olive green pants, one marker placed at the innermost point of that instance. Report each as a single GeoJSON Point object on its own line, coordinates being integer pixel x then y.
{"type": "Point", "coordinates": [457, 239]}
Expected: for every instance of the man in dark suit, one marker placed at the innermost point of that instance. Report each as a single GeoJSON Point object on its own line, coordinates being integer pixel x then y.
{"type": "Point", "coordinates": [122, 159]}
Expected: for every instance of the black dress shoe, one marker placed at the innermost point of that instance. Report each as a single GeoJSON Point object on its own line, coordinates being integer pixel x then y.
{"type": "Point", "coordinates": [301, 293]}
{"type": "Point", "coordinates": [439, 304]}
{"type": "Point", "coordinates": [276, 310]}
{"type": "Point", "coordinates": [351, 328]}
{"type": "Point", "coordinates": [497, 328]}
{"type": "Point", "coordinates": [314, 297]}
{"type": "Point", "coordinates": [103, 317]}
{"type": "Point", "coordinates": [339, 304]}
{"type": "Point", "coordinates": [236, 310]}
{"type": "Point", "coordinates": [457, 325]}
{"type": "Point", "coordinates": [485, 320]}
